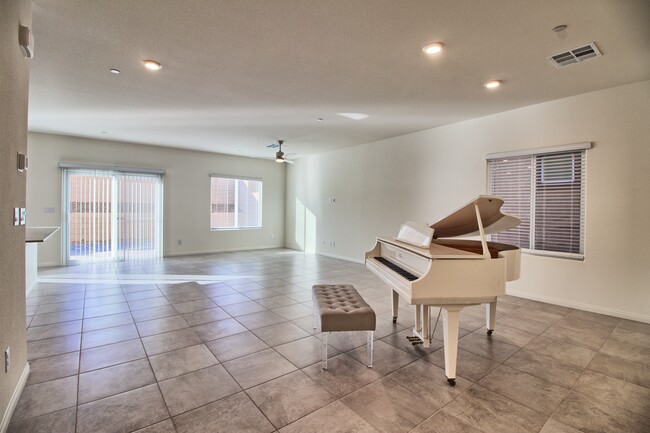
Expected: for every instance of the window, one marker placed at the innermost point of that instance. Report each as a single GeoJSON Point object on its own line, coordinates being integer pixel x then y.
{"type": "Point", "coordinates": [546, 189]}
{"type": "Point", "coordinates": [236, 203]}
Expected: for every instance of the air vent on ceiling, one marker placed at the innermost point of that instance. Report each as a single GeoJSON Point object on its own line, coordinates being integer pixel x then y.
{"type": "Point", "coordinates": [575, 55]}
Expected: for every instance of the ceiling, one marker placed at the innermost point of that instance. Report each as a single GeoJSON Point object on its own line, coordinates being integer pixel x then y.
{"type": "Point", "coordinates": [238, 75]}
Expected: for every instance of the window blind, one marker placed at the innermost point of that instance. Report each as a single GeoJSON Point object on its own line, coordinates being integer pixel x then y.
{"type": "Point", "coordinates": [547, 191]}
{"type": "Point", "coordinates": [236, 203]}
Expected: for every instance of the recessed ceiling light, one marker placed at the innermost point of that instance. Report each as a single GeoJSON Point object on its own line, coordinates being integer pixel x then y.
{"type": "Point", "coordinates": [433, 48]}
{"type": "Point", "coordinates": [492, 84]}
{"type": "Point", "coordinates": [319, 119]}
{"type": "Point", "coordinates": [115, 71]}
{"type": "Point", "coordinates": [354, 116]}
{"type": "Point", "coordinates": [151, 64]}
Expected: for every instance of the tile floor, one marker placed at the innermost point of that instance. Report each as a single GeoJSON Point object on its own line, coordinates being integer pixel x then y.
{"type": "Point", "coordinates": [224, 343]}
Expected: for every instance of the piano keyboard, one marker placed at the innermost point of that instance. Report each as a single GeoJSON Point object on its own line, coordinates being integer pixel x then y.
{"type": "Point", "coordinates": [406, 274]}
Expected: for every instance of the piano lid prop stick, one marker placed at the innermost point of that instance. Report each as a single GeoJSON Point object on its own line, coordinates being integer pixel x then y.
{"type": "Point", "coordinates": [486, 251]}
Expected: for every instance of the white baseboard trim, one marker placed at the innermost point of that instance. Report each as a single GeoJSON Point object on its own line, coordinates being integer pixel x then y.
{"type": "Point", "coordinates": [13, 401]}
{"type": "Point", "coordinates": [31, 287]}
{"type": "Point", "coordinates": [347, 259]}
{"type": "Point", "coordinates": [223, 250]}
{"type": "Point", "coordinates": [581, 306]}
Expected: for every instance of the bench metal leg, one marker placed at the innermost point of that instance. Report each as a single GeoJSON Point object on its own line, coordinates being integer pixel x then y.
{"type": "Point", "coordinates": [370, 347]}
{"type": "Point", "coordinates": [325, 351]}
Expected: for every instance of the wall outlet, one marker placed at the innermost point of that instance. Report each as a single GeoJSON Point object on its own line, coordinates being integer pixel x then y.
{"type": "Point", "coordinates": [7, 359]}
{"type": "Point", "coordinates": [179, 242]}
{"type": "Point", "coordinates": [272, 236]}
{"type": "Point", "coordinates": [332, 244]}
{"type": "Point", "coordinates": [49, 210]}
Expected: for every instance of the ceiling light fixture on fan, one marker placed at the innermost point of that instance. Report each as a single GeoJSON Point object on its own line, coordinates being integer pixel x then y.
{"type": "Point", "coordinates": [279, 155]}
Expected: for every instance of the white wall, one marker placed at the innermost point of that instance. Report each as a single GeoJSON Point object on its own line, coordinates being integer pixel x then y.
{"type": "Point", "coordinates": [425, 175]}
{"type": "Point", "coordinates": [186, 192]}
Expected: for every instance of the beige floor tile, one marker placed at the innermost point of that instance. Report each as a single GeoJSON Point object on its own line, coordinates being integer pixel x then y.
{"type": "Point", "coordinates": [169, 341]}
{"type": "Point", "coordinates": [483, 345]}
{"type": "Point", "coordinates": [177, 362]}
{"type": "Point", "coordinates": [564, 352]}
{"type": "Point", "coordinates": [545, 367]}
{"type": "Point", "coordinates": [222, 328]}
{"type": "Point", "coordinates": [243, 308]}
{"type": "Point", "coordinates": [106, 321]}
{"type": "Point", "coordinates": [468, 365]}
{"type": "Point", "coordinates": [260, 319]}
{"type": "Point", "coordinates": [54, 330]}
{"type": "Point", "coordinates": [615, 392]}
{"type": "Point", "coordinates": [281, 333]}
{"type": "Point", "coordinates": [490, 412]}
{"type": "Point", "coordinates": [102, 337]}
{"type": "Point", "coordinates": [389, 407]}
{"type": "Point", "coordinates": [259, 367]}
{"type": "Point", "coordinates": [288, 398]}
{"type": "Point", "coordinates": [236, 413]}
{"type": "Point", "coordinates": [123, 412]}
{"type": "Point", "coordinates": [54, 367]}
{"type": "Point", "coordinates": [236, 346]}
{"type": "Point", "coordinates": [623, 369]}
{"type": "Point", "coordinates": [305, 351]}
{"type": "Point", "coordinates": [159, 326]}
{"type": "Point", "coordinates": [114, 380]}
{"type": "Point", "coordinates": [154, 313]}
{"type": "Point", "coordinates": [386, 358]}
{"type": "Point", "coordinates": [53, 346]}
{"type": "Point", "coordinates": [429, 382]}
{"type": "Point", "coordinates": [205, 316]}
{"type": "Point", "coordinates": [62, 421]}
{"type": "Point", "coordinates": [166, 426]}
{"type": "Point", "coordinates": [343, 375]}
{"type": "Point", "coordinates": [191, 390]}
{"type": "Point", "coordinates": [588, 414]}
{"type": "Point", "coordinates": [105, 356]}
{"type": "Point", "coordinates": [530, 391]}
{"type": "Point", "coordinates": [334, 418]}
{"type": "Point", "coordinates": [46, 397]}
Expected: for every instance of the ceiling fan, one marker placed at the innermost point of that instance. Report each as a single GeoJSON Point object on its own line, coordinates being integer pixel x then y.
{"type": "Point", "coordinates": [279, 155]}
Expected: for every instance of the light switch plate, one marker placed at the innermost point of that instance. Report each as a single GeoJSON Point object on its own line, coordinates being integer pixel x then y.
{"type": "Point", "coordinates": [23, 216]}
{"type": "Point", "coordinates": [16, 216]}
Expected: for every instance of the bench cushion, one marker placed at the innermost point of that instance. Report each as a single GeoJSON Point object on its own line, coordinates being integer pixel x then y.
{"type": "Point", "coordinates": [341, 308]}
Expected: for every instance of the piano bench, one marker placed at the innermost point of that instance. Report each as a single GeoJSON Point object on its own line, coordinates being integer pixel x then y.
{"type": "Point", "coordinates": [339, 307]}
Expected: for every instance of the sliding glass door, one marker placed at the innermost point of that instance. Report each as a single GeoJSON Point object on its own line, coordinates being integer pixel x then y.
{"type": "Point", "coordinates": [111, 216]}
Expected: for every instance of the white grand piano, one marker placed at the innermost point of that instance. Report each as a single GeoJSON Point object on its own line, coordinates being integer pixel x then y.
{"type": "Point", "coordinates": [428, 269]}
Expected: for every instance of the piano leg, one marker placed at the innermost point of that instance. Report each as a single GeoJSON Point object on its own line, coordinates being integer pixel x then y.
{"type": "Point", "coordinates": [490, 316]}
{"type": "Point", "coordinates": [395, 305]}
{"type": "Point", "coordinates": [450, 323]}
{"type": "Point", "coordinates": [426, 338]}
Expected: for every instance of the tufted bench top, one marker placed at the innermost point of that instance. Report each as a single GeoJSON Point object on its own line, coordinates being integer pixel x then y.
{"type": "Point", "coordinates": [341, 308]}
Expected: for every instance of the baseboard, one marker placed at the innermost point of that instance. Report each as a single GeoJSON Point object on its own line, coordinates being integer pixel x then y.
{"type": "Point", "coordinates": [6, 417]}
{"type": "Point", "coordinates": [31, 287]}
{"type": "Point", "coordinates": [581, 306]}
{"type": "Point", "coordinates": [223, 250]}
{"type": "Point", "coordinates": [347, 259]}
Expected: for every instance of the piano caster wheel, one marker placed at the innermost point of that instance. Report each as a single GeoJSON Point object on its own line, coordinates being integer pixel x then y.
{"type": "Point", "coordinates": [452, 382]}
{"type": "Point", "coordinates": [394, 320]}
{"type": "Point", "coordinates": [490, 331]}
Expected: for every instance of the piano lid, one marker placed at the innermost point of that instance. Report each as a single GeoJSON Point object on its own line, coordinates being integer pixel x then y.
{"type": "Point", "coordinates": [463, 222]}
